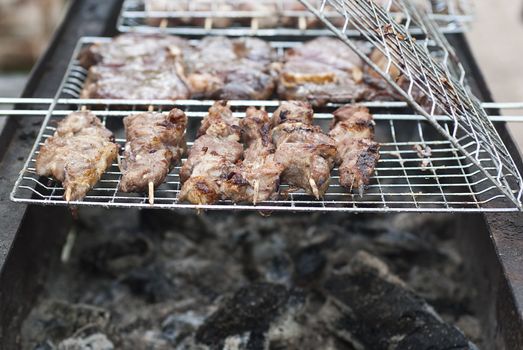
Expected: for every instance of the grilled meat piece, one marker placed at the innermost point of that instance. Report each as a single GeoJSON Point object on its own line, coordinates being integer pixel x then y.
{"type": "Point", "coordinates": [305, 152]}
{"type": "Point", "coordinates": [221, 68]}
{"type": "Point", "coordinates": [134, 48]}
{"type": "Point", "coordinates": [155, 142]}
{"type": "Point", "coordinates": [322, 70]}
{"type": "Point", "coordinates": [133, 82]}
{"type": "Point", "coordinates": [134, 66]}
{"type": "Point", "coordinates": [358, 153]}
{"type": "Point", "coordinates": [77, 154]}
{"type": "Point", "coordinates": [213, 154]}
{"type": "Point", "coordinates": [257, 178]}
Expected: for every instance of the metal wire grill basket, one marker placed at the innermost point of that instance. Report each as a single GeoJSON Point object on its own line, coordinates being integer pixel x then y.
{"type": "Point", "coordinates": [267, 18]}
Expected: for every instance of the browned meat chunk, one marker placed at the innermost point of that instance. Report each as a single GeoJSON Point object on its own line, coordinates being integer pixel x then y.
{"type": "Point", "coordinates": [132, 82]}
{"type": "Point", "coordinates": [305, 152]}
{"type": "Point", "coordinates": [77, 154]}
{"type": "Point", "coordinates": [155, 142]}
{"type": "Point", "coordinates": [221, 68]}
{"type": "Point", "coordinates": [212, 156]}
{"type": "Point", "coordinates": [133, 66]}
{"type": "Point", "coordinates": [257, 178]}
{"type": "Point", "coordinates": [133, 48]}
{"type": "Point", "coordinates": [358, 153]}
{"type": "Point", "coordinates": [322, 70]}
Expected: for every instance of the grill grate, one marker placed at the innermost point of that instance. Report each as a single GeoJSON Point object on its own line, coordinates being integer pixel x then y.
{"type": "Point", "coordinates": [451, 16]}
{"type": "Point", "coordinates": [404, 180]}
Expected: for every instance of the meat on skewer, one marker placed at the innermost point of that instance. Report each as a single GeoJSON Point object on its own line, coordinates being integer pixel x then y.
{"type": "Point", "coordinates": [358, 153]}
{"type": "Point", "coordinates": [78, 153]}
{"type": "Point", "coordinates": [306, 153]}
{"type": "Point", "coordinates": [155, 142]}
{"type": "Point", "coordinates": [257, 178]}
{"type": "Point", "coordinates": [213, 154]}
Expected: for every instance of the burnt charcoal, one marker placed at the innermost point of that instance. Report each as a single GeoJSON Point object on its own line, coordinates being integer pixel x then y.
{"type": "Point", "coordinates": [57, 320]}
{"type": "Point", "coordinates": [309, 264]}
{"type": "Point", "coordinates": [149, 283]}
{"type": "Point", "coordinates": [95, 341]}
{"type": "Point", "coordinates": [179, 326]}
{"type": "Point", "coordinates": [192, 226]}
{"type": "Point", "coordinates": [117, 256]}
{"type": "Point", "coordinates": [380, 312]}
{"type": "Point", "coordinates": [394, 242]}
{"type": "Point", "coordinates": [250, 309]}
{"type": "Point", "coordinates": [257, 341]}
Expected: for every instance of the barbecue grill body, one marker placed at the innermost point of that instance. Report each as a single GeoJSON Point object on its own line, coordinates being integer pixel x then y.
{"type": "Point", "coordinates": [31, 236]}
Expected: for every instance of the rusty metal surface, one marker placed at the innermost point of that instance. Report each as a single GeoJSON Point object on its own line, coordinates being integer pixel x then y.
{"type": "Point", "coordinates": [27, 236]}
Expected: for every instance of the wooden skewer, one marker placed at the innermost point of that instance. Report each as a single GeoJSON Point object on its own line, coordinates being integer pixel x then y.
{"type": "Point", "coordinates": [150, 108]}
{"type": "Point", "coordinates": [68, 194]}
{"type": "Point", "coordinates": [208, 23]}
{"type": "Point", "coordinates": [163, 23]}
{"type": "Point", "coordinates": [151, 192]}
{"type": "Point", "coordinates": [255, 24]}
{"type": "Point", "coordinates": [83, 108]}
{"type": "Point", "coordinates": [302, 23]}
{"type": "Point", "coordinates": [256, 191]}
{"type": "Point", "coordinates": [314, 188]}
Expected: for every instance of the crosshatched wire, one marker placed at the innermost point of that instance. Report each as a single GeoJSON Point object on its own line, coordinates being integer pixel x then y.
{"type": "Point", "coordinates": [419, 170]}
{"type": "Point", "coordinates": [427, 84]}
{"type": "Point", "coordinates": [450, 16]}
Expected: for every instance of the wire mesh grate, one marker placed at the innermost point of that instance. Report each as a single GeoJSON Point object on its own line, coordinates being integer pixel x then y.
{"type": "Point", "coordinates": [430, 86]}
{"type": "Point", "coordinates": [266, 18]}
{"type": "Point", "coordinates": [419, 170]}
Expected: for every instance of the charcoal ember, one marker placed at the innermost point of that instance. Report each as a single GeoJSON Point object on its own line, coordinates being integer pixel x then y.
{"type": "Point", "coordinates": [399, 243]}
{"type": "Point", "coordinates": [54, 321]}
{"type": "Point", "coordinates": [201, 275]}
{"type": "Point", "coordinates": [309, 263]}
{"type": "Point", "coordinates": [117, 256]}
{"type": "Point", "coordinates": [178, 326]}
{"type": "Point", "coordinates": [250, 309]}
{"type": "Point", "coordinates": [150, 283]}
{"type": "Point", "coordinates": [374, 309]}
{"type": "Point", "coordinates": [97, 341]}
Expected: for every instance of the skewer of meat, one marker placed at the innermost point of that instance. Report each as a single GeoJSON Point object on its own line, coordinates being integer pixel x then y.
{"type": "Point", "coordinates": [212, 156]}
{"type": "Point", "coordinates": [358, 153]}
{"type": "Point", "coordinates": [78, 153]}
{"type": "Point", "coordinates": [306, 153]}
{"type": "Point", "coordinates": [257, 178]}
{"type": "Point", "coordinates": [155, 142]}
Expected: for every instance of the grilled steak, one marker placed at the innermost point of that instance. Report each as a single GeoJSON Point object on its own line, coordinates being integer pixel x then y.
{"type": "Point", "coordinates": [305, 152]}
{"type": "Point", "coordinates": [257, 178]}
{"type": "Point", "coordinates": [221, 68]}
{"type": "Point", "coordinates": [78, 153]}
{"type": "Point", "coordinates": [155, 142]}
{"type": "Point", "coordinates": [211, 157]}
{"type": "Point", "coordinates": [320, 71]}
{"type": "Point", "coordinates": [358, 153]}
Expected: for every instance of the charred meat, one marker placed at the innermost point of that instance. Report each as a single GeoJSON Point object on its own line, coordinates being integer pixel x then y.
{"type": "Point", "coordinates": [155, 142]}
{"type": "Point", "coordinates": [212, 156]}
{"type": "Point", "coordinates": [257, 178]}
{"type": "Point", "coordinates": [221, 68]}
{"type": "Point", "coordinates": [358, 153]}
{"type": "Point", "coordinates": [77, 154]}
{"type": "Point", "coordinates": [305, 152]}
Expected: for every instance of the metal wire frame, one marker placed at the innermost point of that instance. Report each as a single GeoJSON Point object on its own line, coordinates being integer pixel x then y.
{"type": "Point", "coordinates": [440, 180]}
{"type": "Point", "coordinates": [451, 16]}
{"type": "Point", "coordinates": [426, 77]}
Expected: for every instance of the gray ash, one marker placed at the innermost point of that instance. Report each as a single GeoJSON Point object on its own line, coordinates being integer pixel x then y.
{"type": "Point", "coordinates": [177, 280]}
